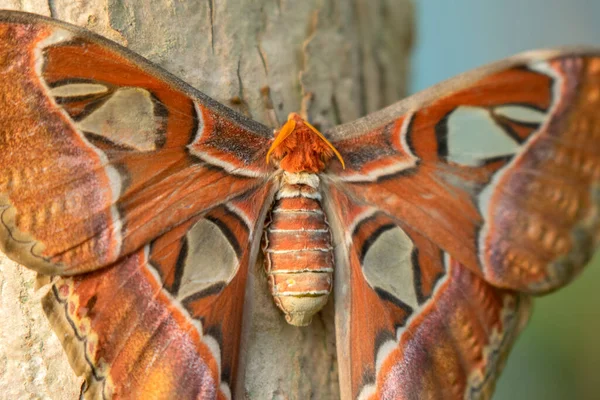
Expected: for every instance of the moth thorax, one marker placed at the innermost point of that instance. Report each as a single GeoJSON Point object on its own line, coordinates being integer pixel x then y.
{"type": "Point", "coordinates": [297, 249]}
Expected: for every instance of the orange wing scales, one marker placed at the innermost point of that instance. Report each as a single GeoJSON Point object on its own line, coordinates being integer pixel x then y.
{"type": "Point", "coordinates": [48, 153]}
{"type": "Point", "coordinates": [177, 323]}
{"type": "Point", "coordinates": [297, 249]}
{"type": "Point", "coordinates": [420, 325]}
{"type": "Point", "coordinates": [559, 210]}
{"type": "Point", "coordinates": [120, 154]}
{"type": "Point", "coordinates": [456, 346]}
{"type": "Point", "coordinates": [444, 208]}
{"type": "Point", "coordinates": [112, 165]}
{"type": "Point", "coordinates": [500, 180]}
{"type": "Point", "coordinates": [494, 168]}
{"type": "Point", "coordinates": [146, 336]}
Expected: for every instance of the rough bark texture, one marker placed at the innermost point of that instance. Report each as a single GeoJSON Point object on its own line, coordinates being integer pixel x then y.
{"type": "Point", "coordinates": [336, 59]}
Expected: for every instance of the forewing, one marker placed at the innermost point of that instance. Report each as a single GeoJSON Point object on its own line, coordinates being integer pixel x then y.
{"type": "Point", "coordinates": [452, 203]}
{"type": "Point", "coordinates": [101, 152]}
{"type": "Point", "coordinates": [500, 167]}
{"type": "Point", "coordinates": [412, 322]}
{"type": "Point", "coordinates": [165, 321]}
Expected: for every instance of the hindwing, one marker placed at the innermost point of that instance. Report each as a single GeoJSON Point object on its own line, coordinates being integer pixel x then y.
{"type": "Point", "coordinates": [165, 321]}
{"type": "Point", "coordinates": [143, 196]}
{"type": "Point", "coordinates": [454, 203]}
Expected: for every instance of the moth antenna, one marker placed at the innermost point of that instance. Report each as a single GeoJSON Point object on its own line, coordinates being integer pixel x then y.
{"type": "Point", "coordinates": [327, 142]}
{"type": "Point", "coordinates": [284, 132]}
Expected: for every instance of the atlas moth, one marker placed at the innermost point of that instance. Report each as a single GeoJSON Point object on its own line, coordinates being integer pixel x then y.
{"type": "Point", "coordinates": [448, 211]}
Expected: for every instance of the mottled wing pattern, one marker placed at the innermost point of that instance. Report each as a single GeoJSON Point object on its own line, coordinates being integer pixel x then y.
{"type": "Point", "coordinates": [488, 181]}
{"type": "Point", "coordinates": [420, 325]}
{"type": "Point", "coordinates": [163, 322]}
{"type": "Point", "coordinates": [143, 196]}
{"type": "Point", "coordinates": [102, 152]}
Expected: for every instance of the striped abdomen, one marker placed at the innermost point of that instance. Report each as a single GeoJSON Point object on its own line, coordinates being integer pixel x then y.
{"type": "Point", "coordinates": [297, 249]}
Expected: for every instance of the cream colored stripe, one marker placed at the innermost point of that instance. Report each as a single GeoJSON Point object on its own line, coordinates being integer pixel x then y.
{"type": "Point", "coordinates": [521, 114]}
{"type": "Point", "coordinates": [78, 89]}
{"type": "Point", "coordinates": [328, 249]}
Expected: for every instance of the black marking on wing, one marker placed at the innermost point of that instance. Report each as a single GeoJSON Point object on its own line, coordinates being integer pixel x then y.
{"type": "Point", "coordinates": [501, 159]}
{"type": "Point", "coordinates": [387, 296]}
{"type": "Point", "coordinates": [65, 305]}
{"type": "Point", "coordinates": [416, 267]}
{"type": "Point", "coordinates": [408, 135]}
{"type": "Point", "coordinates": [161, 116]}
{"type": "Point", "coordinates": [216, 332]}
{"type": "Point", "coordinates": [506, 122]}
{"type": "Point", "coordinates": [92, 103]}
{"type": "Point", "coordinates": [441, 135]}
{"type": "Point", "coordinates": [368, 375]}
{"type": "Point", "coordinates": [371, 239]}
{"type": "Point", "coordinates": [231, 238]}
{"type": "Point", "coordinates": [213, 289]}
{"type": "Point", "coordinates": [107, 145]}
{"type": "Point", "coordinates": [180, 266]}
{"type": "Point", "coordinates": [74, 81]}
{"type": "Point", "coordinates": [382, 337]}
{"type": "Point", "coordinates": [89, 305]}
{"type": "Point", "coordinates": [418, 285]}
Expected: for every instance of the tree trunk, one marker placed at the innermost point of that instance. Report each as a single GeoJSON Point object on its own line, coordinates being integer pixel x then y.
{"type": "Point", "coordinates": [335, 59]}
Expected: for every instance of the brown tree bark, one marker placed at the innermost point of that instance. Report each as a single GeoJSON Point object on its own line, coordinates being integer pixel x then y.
{"type": "Point", "coordinates": [336, 59]}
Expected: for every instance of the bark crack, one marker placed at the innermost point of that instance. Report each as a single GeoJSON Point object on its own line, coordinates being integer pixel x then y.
{"type": "Point", "coordinates": [52, 8]}
{"type": "Point", "coordinates": [262, 59]}
{"type": "Point", "coordinates": [335, 107]}
{"type": "Point", "coordinates": [242, 103]}
{"type": "Point", "coordinates": [306, 95]}
{"type": "Point", "coordinates": [362, 85]}
{"type": "Point", "coordinates": [212, 25]}
{"type": "Point", "coordinates": [377, 49]}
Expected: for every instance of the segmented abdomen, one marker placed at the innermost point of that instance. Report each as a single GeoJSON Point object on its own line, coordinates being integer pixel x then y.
{"type": "Point", "coordinates": [298, 253]}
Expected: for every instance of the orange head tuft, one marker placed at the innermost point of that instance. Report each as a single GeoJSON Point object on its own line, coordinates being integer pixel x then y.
{"type": "Point", "coordinates": [299, 147]}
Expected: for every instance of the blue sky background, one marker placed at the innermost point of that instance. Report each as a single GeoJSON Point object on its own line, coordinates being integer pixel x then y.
{"type": "Point", "coordinates": [558, 356]}
{"type": "Point", "coordinates": [454, 36]}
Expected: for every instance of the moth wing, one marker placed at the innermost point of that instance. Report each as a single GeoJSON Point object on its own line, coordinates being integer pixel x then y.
{"type": "Point", "coordinates": [165, 321]}
{"type": "Point", "coordinates": [453, 204]}
{"type": "Point", "coordinates": [500, 167]}
{"type": "Point", "coordinates": [102, 152]}
{"type": "Point", "coordinates": [412, 322]}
